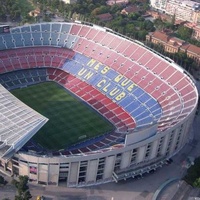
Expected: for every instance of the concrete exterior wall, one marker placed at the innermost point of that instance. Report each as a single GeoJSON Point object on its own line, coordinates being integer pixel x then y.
{"type": "Point", "coordinates": [48, 169]}
{"type": "Point", "coordinates": [92, 171]}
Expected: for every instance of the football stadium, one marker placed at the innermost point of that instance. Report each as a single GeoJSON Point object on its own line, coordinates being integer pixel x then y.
{"type": "Point", "coordinates": [81, 105]}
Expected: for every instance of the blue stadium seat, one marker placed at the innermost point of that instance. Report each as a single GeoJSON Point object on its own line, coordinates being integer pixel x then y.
{"type": "Point", "coordinates": [156, 113]}
{"type": "Point", "coordinates": [65, 28]}
{"type": "Point", "coordinates": [20, 78]}
{"type": "Point", "coordinates": [135, 105]}
{"type": "Point", "coordinates": [34, 73]}
{"type": "Point", "coordinates": [25, 29]}
{"type": "Point", "coordinates": [144, 121]}
{"type": "Point", "coordinates": [71, 41]}
{"type": "Point", "coordinates": [2, 44]}
{"type": "Point", "coordinates": [36, 79]}
{"type": "Point", "coordinates": [37, 39]}
{"type": "Point", "coordinates": [35, 28]}
{"type": "Point", "coordinates": [19, 75]}
{"type": "Point", "coordinates": [55, 27]}
{"type": "Point", "coordinates": [144, 97]}
{"type": "Point", "coordinates": [43, 78]}
{"type": "Point", "coordinates": [81, 59]}
{"type": "Point", "coordinates": [111, 74]}
{"type": "Point", "coordinates": [23, 81]}
{"type": "Point", "coordinates": [18, 40]}
{"type": "Point", "coordinates": [27, 39]}
{"type": "Point", "coordinates": [9, 84]}
{"type": "Point", "coordinates": [62, 40]}
{"type": "Point", "coordinates": [126, 101]}
{"type": "Point", "coordinates": [94, 80]}
{"type": "Point", "coordinates": [151, 102]}
{"type": "Point", "coordinates": [26, 73]}
{"type": "Point", "coordinates": [42, 72]}
{"type": "Point", "coordinates": [54, 38]}
{"type": "Point", "coordinates": [4, 78]}
{"type": "Point", "coordinates": [69, 64]}
{"type": "Point", "coordinates": [9, 41]}
{"type": "Point", "coordinates": [138, 92]}
{"type": "Point", "coordinates": [15, 30]}
{"type": "Point", "coordinates": [45, 27]}
{"type": "Point", "coordinates": [45, 36]}
{"type": "Point", "coordinates": [16, 82]}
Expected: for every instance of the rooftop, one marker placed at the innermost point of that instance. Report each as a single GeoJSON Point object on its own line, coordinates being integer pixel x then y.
{"type": "Point", "coordinates": [18, 122]}
{"type": "Point", "coordinates": [104, 17]}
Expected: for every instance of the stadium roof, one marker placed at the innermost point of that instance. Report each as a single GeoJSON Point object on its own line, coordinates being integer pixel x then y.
{"type": "Point", "coordinates": [18, 123]}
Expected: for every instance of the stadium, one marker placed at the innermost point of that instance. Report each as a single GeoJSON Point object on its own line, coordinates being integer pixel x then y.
{"type": "Point", "coordinates": [81, 104]}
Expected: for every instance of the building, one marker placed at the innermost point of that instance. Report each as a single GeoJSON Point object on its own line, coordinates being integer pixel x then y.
{"type": "Point", "coordinates": [192, 51]}
{"type": "Point", "coordinates": [104, 17]}
{"type": "Point", "coordinates": [196, 30]}
{"type": "Point", "coordinates": [129, 84]}
{"type": "Point", "coordinates": [158, 4]}
{"type": "Point", "coordinates": [156, 15]}
{"type": "Point", "coordinates": [173, 45]}
{"type": "Point", "coordinates": [34, 13]}
{"type": "Point", "coordinates": [130, 9]}
{"type": "Point", "coordinates": [184, 10]}
{"type": "Point", "coordinates": [70, 1]}
{"type": "Point", "coordinates": [118, 2]}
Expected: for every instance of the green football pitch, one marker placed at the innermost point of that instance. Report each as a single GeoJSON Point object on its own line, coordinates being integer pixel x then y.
{"type": "Point", "coordinates": [70, 120]}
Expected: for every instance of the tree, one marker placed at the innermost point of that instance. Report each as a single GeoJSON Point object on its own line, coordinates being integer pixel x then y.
{"type": "Point", "coordinates": [22, 188]}
{"type": "Point", "coordinates": [142, 35]}
{"type": "Point", "coordinates": [197, 183]}
{"type": "Point", "coordinates": [148, 25]}
{"type": "Point", "coordinates": [184, 33]}
{"type": "Point", "coordinates": [193, 174]}
{"type": "Point", "coordinates": [173, 21]}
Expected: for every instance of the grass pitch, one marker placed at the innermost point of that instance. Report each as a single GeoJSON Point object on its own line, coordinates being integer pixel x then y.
{"type": "Point", "coordinates": [69, 118]}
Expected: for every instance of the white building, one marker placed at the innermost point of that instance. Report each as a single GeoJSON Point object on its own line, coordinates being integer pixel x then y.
{"type": "Point", "coordinates": [183, 10]}
{"type": "Point", "coordinates": [70, 1]}
{"type": "Point", "coordinates": [159, 4]}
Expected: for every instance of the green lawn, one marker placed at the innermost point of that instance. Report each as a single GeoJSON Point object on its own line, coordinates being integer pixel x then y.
{"type": "Point", "coordinates": [69, 118]}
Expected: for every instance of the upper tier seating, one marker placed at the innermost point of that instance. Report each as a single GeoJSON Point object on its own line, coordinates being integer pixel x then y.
{"type": "Point", "coordinates": [148, 71]}
{"type": "Point", "coordinates": [124, 92]}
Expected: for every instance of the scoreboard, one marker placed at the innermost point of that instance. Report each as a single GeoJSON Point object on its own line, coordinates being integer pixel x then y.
{"type": "Point", "coordinates": [4, 29]}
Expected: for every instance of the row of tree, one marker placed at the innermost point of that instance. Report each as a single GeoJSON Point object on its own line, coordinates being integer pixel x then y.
{"type": "Point", "coordinates": [193, 174]}
{"type": "Point", "coordinates": [14, 10]}
{"type": "Point", "coordinates": [22, 187]}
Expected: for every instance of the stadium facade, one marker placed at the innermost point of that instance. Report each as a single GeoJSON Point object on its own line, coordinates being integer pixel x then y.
{"type": "Point", "coordinates": [149, 99]}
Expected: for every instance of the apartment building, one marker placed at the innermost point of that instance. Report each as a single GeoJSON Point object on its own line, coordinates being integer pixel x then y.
{"type": "Point", "coordinates": [158, 4]}
{"type": "Point", "coordinates": [195, 30]}
{"type": "Point", "coordinates": [184, 10]}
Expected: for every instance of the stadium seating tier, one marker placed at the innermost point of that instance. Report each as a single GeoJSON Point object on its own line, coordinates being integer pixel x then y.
{"type": "Point", "coordinates": [128, 84]}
